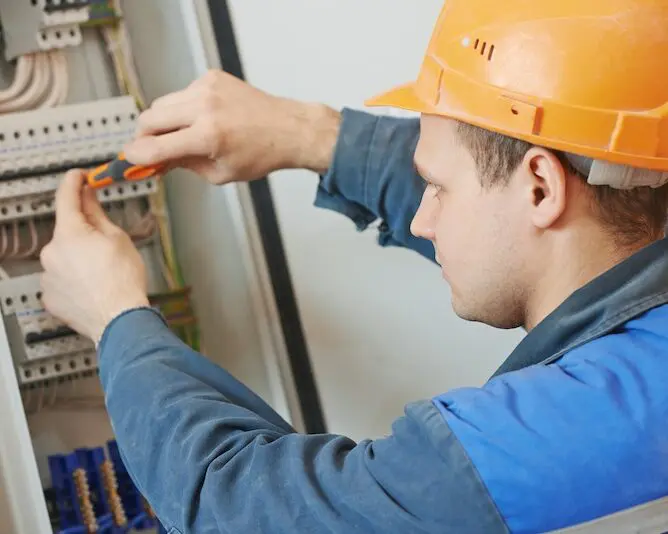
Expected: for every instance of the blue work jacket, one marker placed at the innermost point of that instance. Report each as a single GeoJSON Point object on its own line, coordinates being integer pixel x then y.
{"type": "Point", "coordinates": [571, 428]}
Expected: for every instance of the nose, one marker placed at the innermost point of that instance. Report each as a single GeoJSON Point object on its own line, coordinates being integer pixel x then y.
{"type": "Point", "coordinates": [424, 221]}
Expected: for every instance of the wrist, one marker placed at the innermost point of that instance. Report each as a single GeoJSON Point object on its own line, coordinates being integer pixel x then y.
{"type": "Point", "coordinates": [316, 130]}
{"type": "Point", "coordinates": [116, 309]}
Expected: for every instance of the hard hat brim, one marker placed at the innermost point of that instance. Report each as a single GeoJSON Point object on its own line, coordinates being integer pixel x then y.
{"type": "Point", "coordinates": [402, 97]}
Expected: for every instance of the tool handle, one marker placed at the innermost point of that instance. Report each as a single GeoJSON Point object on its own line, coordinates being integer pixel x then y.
{"type": "Point", "coordinates": [120, 170]}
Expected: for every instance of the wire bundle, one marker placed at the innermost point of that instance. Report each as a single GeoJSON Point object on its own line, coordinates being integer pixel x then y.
{"type": "Point", "coordinates": [118, 45]}
{"type": "Point", "coordinates": [41, 80]}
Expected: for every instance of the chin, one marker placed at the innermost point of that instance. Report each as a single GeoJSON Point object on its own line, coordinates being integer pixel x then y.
{"type": "Point", "coordinates": [503, 321]}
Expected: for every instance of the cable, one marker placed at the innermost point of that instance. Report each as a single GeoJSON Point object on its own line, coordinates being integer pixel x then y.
{"type": "Point", "coordinates": [40, 399]}
{"type": "Point", "coordinates": [112, 47]}
{"type": "Point", "coordinates": [65, 86]}
{"type": "Point", "coordinates": [22, 76]}
{"type": "Point", "coordinates": [60, 77]}
{"type": "Point", "coordinates": [119, 47]}
{"type": "Point", "coordinates": [36, 89]}
{"type": "Point", "coordinates": [53, 96]}
{"type": "Point", "coordinates": [15, 241]}
{"type": "Point", "coordinates": [118, 44]}
{"type": "Point", "coordinates": [34, 241]}
{"type": "Point", "coordinates": [3, 237]}
{"type": "Point", "coordinates": [54, 390]}
{"type": "Point", "coordinates": [28, 399]}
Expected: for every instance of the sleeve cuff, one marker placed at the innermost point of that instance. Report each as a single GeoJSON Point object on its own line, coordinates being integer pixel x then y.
{"type": "Point", "coordinates": [343, 188]}
{"type": "Point", "coordinates": [125, 328]}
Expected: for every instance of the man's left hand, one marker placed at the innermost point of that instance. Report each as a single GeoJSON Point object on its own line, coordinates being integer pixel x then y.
{"type": "Point", "coordinates": [92, 270]}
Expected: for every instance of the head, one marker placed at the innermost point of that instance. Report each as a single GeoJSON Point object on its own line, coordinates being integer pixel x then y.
{"type": "Point", "coordinates": [515, 227]}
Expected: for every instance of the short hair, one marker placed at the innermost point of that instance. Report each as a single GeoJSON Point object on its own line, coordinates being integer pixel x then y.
{"type": "Point", "coordinates": [630, 215]}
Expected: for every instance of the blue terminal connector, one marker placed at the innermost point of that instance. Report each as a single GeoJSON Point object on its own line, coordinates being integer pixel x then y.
{"type": "Point", "coordinates": [88, 466]}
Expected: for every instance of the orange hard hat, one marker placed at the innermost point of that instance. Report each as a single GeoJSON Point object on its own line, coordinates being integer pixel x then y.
{"type": "Point", "coordinates": [587, 77]}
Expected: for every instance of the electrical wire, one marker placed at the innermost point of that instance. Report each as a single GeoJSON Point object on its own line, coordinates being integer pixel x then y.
{"type": "Point", "coordinates": [54, 391]}
{"type": "Point", "coordinates": [36, 89]}
{"type": "Point", "coordinates": [118, 44]}
{"type": "Point", "coordinates": [34, 241]}
{"type": "Point", "coordinates": [22, 76]}
{"type": "Point", "coordinates": [41, 81]}
{"type": "Point", "coordinates": [40, 399]}
{"type": "Point", "coordinates": [4, 240]}
{"type": "Point", "coordinates": [15, 240]}
{"type": "Point", "coordinates": [60, 78]}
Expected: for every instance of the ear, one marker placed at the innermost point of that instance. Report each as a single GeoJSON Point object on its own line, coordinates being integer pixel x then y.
{"type": "Point", "coordinates": [548, 180]}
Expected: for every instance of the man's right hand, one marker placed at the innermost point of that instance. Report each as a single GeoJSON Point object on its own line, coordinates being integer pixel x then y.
{"type": "Point", "coordinates": [226, 130]}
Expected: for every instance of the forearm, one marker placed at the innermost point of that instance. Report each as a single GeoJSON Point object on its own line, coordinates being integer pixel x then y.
{"type": "Point", "coordinates": [211, 457]}
{"type": "Point", "coordinates": [159, 395]}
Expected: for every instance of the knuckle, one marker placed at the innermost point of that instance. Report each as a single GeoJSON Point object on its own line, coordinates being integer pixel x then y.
{"type": "Point", "coordinates": [209, 100]}
{"type": "Point", "coordinates": [210, 76]}
{"type": "Point", "coordinates": [207, 79]}
{"type": "Point", "coordinates": [145, 118]}
{"type": "Point", "coordinates": [117, 236]}
{"type": "Point", "coordinates": [211, 137]}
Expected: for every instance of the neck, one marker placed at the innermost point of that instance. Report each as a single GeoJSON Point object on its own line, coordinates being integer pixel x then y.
{"type": "Point", "coordinates": [570, 264]}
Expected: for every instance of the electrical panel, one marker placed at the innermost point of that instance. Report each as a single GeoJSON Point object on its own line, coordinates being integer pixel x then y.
{"type": "Point", "coordinates": [71, 100]}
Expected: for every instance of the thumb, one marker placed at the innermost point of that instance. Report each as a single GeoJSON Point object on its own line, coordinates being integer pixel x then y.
{"type": "Point", "coordinates": [69, 207]}
{"type": "Point", "coordinates": [92, 209]}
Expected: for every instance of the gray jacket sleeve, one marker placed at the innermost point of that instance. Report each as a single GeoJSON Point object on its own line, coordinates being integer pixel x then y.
{"type": "Point", "coordinates": [372, 177]}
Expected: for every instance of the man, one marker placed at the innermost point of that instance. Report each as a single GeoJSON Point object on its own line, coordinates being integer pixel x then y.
{"type": "Point", "coordinates": [545, 206]}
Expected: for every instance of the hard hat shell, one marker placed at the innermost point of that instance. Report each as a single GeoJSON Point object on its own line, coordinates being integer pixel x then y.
{"type": "Point", "coordinates": [588, 77]}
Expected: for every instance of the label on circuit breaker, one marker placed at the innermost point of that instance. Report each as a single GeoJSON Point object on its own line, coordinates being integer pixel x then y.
{"type": "Point", "coordinates": [33, 197]}
{"type": "Point", "coordinates": [55, 140]}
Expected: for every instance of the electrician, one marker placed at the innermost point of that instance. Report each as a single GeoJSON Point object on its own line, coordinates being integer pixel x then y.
{"type": "Point", "coordinates": [544, 146]}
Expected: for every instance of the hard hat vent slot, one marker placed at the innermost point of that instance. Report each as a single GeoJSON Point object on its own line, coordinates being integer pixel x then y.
{"type": "Point", "coordinates": [484, 48]}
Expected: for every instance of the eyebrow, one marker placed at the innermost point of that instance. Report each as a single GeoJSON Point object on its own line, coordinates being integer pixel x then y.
{"type": "Point", "coordinates": [424, 173]}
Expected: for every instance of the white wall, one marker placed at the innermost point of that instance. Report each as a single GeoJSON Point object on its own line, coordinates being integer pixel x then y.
{"type": "Point", "coordinates": [378, 322]}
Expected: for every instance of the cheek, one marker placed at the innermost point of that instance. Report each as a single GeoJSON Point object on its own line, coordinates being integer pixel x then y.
{"type": "Point", "coordinates": [466, 228]}
{"type": "Point", "coordinates": [453, 230]}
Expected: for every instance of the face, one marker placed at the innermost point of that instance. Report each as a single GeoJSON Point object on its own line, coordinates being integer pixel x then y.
{"type": "Point", "coordinates": [479, 233]}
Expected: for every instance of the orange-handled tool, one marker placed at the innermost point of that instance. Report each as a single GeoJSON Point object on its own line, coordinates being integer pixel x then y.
{"type": "Point", "coordinates": [120, 170]}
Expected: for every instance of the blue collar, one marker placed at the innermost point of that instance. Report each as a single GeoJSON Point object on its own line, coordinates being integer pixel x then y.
{"type": "Point", "coordinates": [628, 290]}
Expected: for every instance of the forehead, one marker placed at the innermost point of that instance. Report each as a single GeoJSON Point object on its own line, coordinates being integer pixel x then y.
{"type": "Point", "coordinates": [439, 147]}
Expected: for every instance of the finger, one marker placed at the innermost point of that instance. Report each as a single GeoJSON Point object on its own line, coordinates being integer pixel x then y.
{"type": "Point", "coordinates": [94, 212]}
{"type": "Point", "coordinates": [176, 98]}
{"type": "Point", "coordinates": [167, 118]}
{"type": "Point", "coordinates": [153, 150]}
{"type": "Point", "coordinates": [69, 215]}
